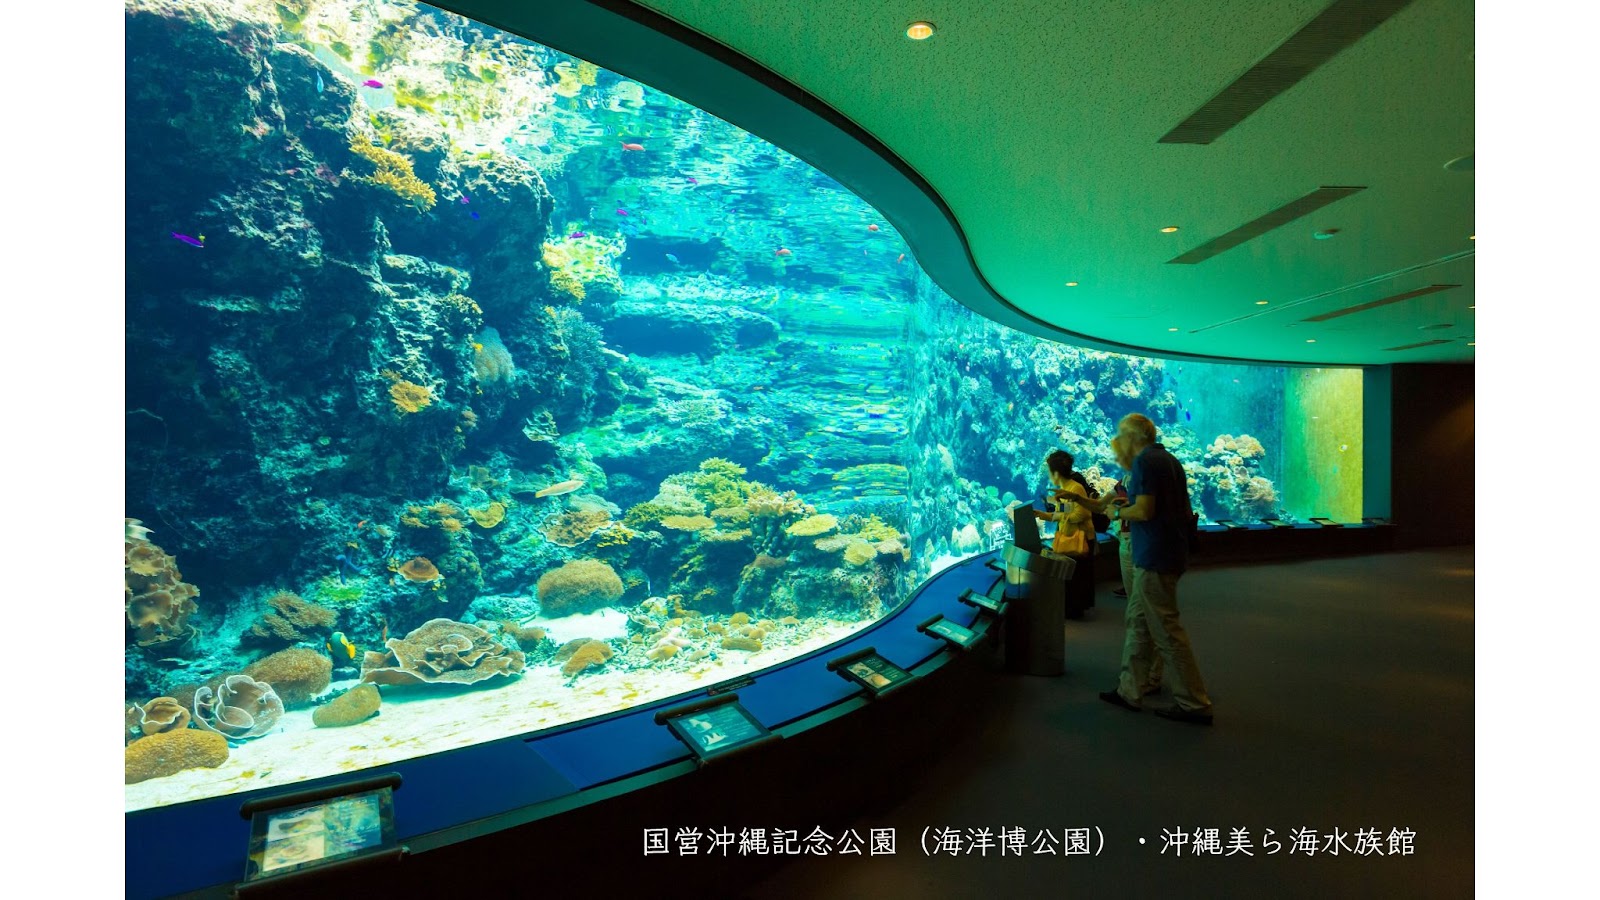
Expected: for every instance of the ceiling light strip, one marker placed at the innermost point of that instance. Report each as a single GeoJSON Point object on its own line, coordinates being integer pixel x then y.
{"type": "Point", "coordinates": [1338, 26]}
{"type": "Point", "coordinates": [1374, 304]}
{"type": "Point", "coordinates": [1279, 217]}
{"type": "Point", "coordinates": [1415, 346]}
{"type": "Point", "coordinates": [1312, 298]}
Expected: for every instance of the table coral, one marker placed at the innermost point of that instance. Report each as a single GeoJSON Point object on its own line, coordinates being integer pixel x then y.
{"type": "Point", "coordinates": [813, 526]}
{"type": "Point", "coordinates": [569, 529]}
{"type": "Point", "coordinates": [169, 753]}
{"type": "Point", "coordinates": [241, 708]}
{"type": "Point", "coordinates": [159, 715]}
{"type": "Point", "coordinates": [489, 516]}
{"type": "Point", "coordinates": [419, 569]}
{"type": "Point", "coordinates": [442, 651]}
{"type": "Point", "coordinates": [158, 601]}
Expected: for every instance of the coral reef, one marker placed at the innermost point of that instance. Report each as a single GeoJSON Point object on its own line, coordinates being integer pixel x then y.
{"type": "Point", "coordinates": [240, 708]}
{"type": "Point", "coordinates": [158, 601]}
{"type": "Point", "coordinates": [393, 173]}
{"type": "Point", "coordinates": [352, 707]}
{"type": "Point", "coordinates": [579, 586]}
{"type": "Point", "coordinates": [292, 621]}
{"type": "Point", "coordinates": [569, 529]}
{"type": "Point", "coordinates": [159, 715]}
{"type": "Point", "coordinates": [581, 654]}
{"type": "Point", "coordinates": [169, 753]}
{"type": "Point", "coordinates": [296, 674]}
{"type": "Point", "coordinates": [442, 651]}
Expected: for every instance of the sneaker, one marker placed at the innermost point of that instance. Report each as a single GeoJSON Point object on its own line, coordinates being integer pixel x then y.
{"type": "Point", "coordinates": [1118, 592]}
{"type": "Point", "coordinates": [1116, 699]}
{"type": "Point", "coordinates": [1151, 691]}
{"type": "Point", "coordinates": [1183, 715]}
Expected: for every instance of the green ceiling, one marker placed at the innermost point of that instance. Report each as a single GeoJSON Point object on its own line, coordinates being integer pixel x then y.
{"type": "Point", "coordinates": [1037, 122]}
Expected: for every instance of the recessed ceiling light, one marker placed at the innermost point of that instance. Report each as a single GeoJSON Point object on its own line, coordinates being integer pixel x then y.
{"type": "Point", "coordinates": [1072, 284]}
{"type": "Point", "coordinates": [1472, 307]}
{"type": "Point", "coordinates": [1172, 329]}
{"type": "Point", "coordinates": [1472, 237]}
{"type": "Point", "coordinates": [1325, 233]}
{"type": "Point", "coordinates": [1311, 340]}
{"type": "Point", "coordinates": [1472, 343]}
{"type": "Point", "coordinates": [1169, 229]}
{"type": "Point", "coordinates": [919, 31]}
{"type": "Point", "coordinates": [1261, 303]}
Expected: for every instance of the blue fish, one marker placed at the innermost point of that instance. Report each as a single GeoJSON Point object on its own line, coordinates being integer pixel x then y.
{"type": "Point", "coordinates": [1188, 415]}
{"type": "Point", "coordinates": [320, 85]}
{"type": "Point", "coordinates": [475, 215]}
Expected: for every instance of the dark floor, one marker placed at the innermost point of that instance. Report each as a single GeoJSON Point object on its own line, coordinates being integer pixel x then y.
{"type": "Point", "coordinates": [1344, 699]}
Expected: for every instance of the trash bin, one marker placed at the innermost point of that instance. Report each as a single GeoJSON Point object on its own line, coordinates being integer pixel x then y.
{"type": "Point", "coordinates": [1036, 620]}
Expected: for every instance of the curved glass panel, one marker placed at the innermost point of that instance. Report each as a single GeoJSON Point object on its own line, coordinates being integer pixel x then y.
{"type": "Point", "coordinates": [473, 390]}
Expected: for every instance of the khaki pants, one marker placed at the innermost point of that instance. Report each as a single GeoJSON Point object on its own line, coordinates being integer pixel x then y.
{"type": "Point", "coordinates": [1135, 614]}
{"type": "Point", "coordinates": [1153, 628]}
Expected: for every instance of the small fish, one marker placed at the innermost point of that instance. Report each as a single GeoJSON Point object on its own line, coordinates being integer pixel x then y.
{"type": "Point", "coordinates": [872, 227]}
{"type": "Point", "coordinates": [465, 199]}
{"type": "Point", "coordinates": [556, 490]}
{"type": "Point", "coordinates": [193, 242]}
{"type": "Point", "coordinates": [783, 251]}
{"type": "Point", "coordinates": [621, 211]}
{"type": "Point", "coordinates": [900, 260]}
{"type": "Point", "coordinates": [632, 147]}
{"type": "Point", "coordinates": [478, 347]}
{"type": "Point", "coordinates": [361, 524]}
{"type": "Point", "coordinates": [673, 259]}
{"type": "Point", "coordinates": [320, 85]}
{"type": "Point", "coordinates": [474, 215]}
{"type": "Point", "coordinates": [693, 180]}
{"type": "Point", "coordinates": [578, 234]}
{"type": "Point", "coordinates": [372, 83]}
{"type": "Point", "coordinates": [339, 645]}
{"type": "Point", "coordinates": [1188, 416]}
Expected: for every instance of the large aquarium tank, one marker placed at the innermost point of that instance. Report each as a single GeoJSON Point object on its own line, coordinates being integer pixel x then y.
{"type": "Point", "coordinates": [474, 390]}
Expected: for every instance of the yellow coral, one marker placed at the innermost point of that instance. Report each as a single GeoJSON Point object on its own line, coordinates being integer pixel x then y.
{"type": "Point", "coordinates": [567, 283]}
{"type": "Point", "coordinates": [393, 172]}
{"type": "Point", "coordinates": [449, 524]}
{"type": "Point", "coordinates": [587, 72]}
{"type": "Point", "coordinates": [408, 397]}
{"type": "Point", "coordinates": [687, 523]}
{"type": "Point", "coordinates": [489, 516]}
{"type": "Point", "coordinates": [413, 522]}
{"type": "Point", "coordinates": [859, 553]}
{"type": "Point", "coordinates": [813, 526]}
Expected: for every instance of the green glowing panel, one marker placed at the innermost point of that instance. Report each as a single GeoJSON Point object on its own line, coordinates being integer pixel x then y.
{"type": "Point", "coordinates": [1322, 444]}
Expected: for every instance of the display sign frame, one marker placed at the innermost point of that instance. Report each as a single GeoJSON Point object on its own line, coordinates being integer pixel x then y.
{"type": "Point", "coordinates": [318, 830]}
{"type": "Point", "coordinates": [715, 728]}
{"type": "Point", "coordinates": [984, 602]}
{"type": "Point", "coordinates": [951, 632]}
{"type": "Point", "coordinates": [870, 670]}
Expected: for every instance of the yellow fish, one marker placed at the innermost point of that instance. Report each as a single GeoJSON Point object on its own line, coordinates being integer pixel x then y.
{"type": "Point", "coordinates": [340, 644]}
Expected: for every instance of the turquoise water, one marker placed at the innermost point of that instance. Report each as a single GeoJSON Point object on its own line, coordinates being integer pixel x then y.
{"type": "Point", "coordinates": [461, 367]}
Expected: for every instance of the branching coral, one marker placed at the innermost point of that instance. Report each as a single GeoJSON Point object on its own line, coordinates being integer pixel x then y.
{"type": "Point", "coordinates": [157, 601]}
{"type": "Point", "coordinates": [442, 651]}
{"type": "Point", "coordinates": [393, 173]}
{"type": "Point", "coordinates": [569, 529]}
{"type": "Point", "coordinates": [241, 708]}
{"type": "Point", "coordinates": [579, 586]}
{"type": "Point", "coordinates": [291, 621]}
{"type": "Point", "coordinates": [408, 397]}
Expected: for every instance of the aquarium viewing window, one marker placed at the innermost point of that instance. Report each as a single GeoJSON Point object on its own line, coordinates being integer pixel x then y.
{"type": "Point", "coordinates": [475, 390]}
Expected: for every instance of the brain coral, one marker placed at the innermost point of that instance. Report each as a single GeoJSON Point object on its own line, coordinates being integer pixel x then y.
{"type": "Point", "coordinates": [579, 586]}
{"type": "Point", "coordinates": [354, 706]}
{"type": "Point", "coordinates": [442, 651]}
{"type": "Point", "coordinates": [296, 674]}
{"type": "Point", "coordinates": [169, 753]}
{"type": "Point", "coordinates": [158, 602]}
{"type": "Point", "coordinates": [239, 709]}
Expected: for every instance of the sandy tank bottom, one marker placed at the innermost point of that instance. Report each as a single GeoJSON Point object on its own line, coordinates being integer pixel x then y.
{"type": "Point", "coordinates": [412, 724]}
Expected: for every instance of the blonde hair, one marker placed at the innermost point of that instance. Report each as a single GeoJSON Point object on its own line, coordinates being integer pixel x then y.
{"type": "Point", "coordinates": [1122, 451]}
{"type": "Point", "coordinates": [1139, 428]}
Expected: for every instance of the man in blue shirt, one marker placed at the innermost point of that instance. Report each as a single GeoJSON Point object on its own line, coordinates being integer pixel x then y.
{"type": "Point", "coordinates": [1159, 512]}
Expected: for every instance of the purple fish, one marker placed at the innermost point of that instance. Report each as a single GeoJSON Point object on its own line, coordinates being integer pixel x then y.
{"type": "Point", "coordinates": [193, 242]}
{"type": "Point", "coordinates": [621, 212]}
{"type": "Point", "coordinates": [465, 199]}
{"type": "Point", "coordinates": [578, 234]}
{"type": "Point", "coordinates": [693, 180]}
{"type": "Point", "coordinates": [372, 83]}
